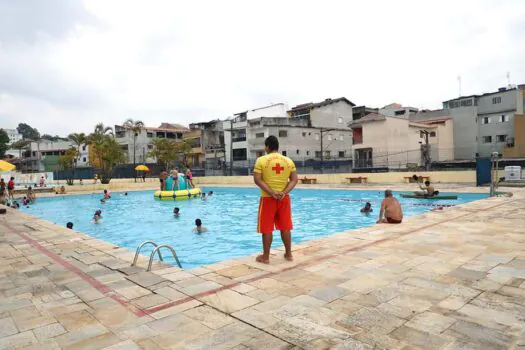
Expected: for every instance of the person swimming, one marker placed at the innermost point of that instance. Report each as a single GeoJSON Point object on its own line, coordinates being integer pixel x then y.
{"type": "Point", "coordinates": [69, 225]}
{"type": "Point", "coordinates": [97, 216]}
{"type": "Point", "coordinates": [176, 212]}
{"type": "Point", "coordinates": [367, 208]}
{"type": "Point", "coordinates": [203, 196]}
{"type": "Point", "coordinates": [106, 194]}
{"type": "Point", "coordinates": [199, 228]}
{"type": "Point", "coordinates": [210, 193]}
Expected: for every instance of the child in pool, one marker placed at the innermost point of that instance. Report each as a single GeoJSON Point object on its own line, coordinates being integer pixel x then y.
{"type": "Point", "coordinates": [176, 212]}
{"type": "Point", "coordinates": [367, 208]}
{"type": "Point", "coordinates": [97, 216]}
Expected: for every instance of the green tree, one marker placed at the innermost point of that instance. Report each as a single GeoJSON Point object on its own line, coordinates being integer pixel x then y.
{"type": "Point", "coordinates": [28, 132]}
{"type": "Point", "coordinates": [4, 141]}
{"type": "Point", "coordinates": [166, 151]}
{"type": "Point", "coordinates": [68, 162]}
{"type": "Point", "coordinates": [107, 152]}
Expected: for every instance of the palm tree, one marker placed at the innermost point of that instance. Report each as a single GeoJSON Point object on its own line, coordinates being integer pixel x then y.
{"type": "Point", "coordinates": [97, 137]}
{"type": "Point", "coordinates": [136, 127]}
{"type": "Point", "coordinates": [78, 140]}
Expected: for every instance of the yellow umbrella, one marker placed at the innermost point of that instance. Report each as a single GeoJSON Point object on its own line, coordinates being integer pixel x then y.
{"type": "Point", "coordinates": [141, 168]}
{"type": "Point", "coordinates": [5, 166]}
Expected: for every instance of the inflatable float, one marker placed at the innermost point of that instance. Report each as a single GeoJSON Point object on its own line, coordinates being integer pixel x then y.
{"type": "Point", "coordinates": [178, 195]}
{"type": "Point", "coordinates": [182, 192]}
{"type": "Point", "coordinates": [405, 195]}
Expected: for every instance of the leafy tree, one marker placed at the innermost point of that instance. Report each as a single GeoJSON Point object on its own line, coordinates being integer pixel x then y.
{"type": "Point", "coordinates": [166, 151]}
{"type": "Point", "coordinates": [55, 138]}
{"type": "Point", "coordinates": [4, 141]}
{"type": "Point", "coordinates": [68, 162]}
{"type": "Point", "coordinates": [28, 132]}
{"type": "Point", "coordinates": [107, 152]}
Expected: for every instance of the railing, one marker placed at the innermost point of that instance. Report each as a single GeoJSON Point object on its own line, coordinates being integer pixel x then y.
{"type": "Point", "coordinates": [239, 139]}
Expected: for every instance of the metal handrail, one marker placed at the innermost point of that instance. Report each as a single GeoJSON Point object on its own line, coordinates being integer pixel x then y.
{"type": "Point", "coordinates": [140, 247]}
{"type": "Point", "coordinates": [157, 249]}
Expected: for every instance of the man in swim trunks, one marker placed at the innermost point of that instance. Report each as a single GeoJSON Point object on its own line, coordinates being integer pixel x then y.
{"type": "Point", "coordinates": [390, 209]}
{"type": "Point", "coordinates": [276, 176]}
{"type": "Point", "coordinates": [428, 190]}
{"type": "Point", "coordinates": [162, 177]}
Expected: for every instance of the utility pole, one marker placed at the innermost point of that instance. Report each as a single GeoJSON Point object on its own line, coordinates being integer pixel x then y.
{"type": "Point", "coordinates": [231, 147]}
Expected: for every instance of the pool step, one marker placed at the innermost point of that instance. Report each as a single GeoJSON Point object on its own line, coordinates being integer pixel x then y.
{"type": "Point", "coordinates": [155, 250]}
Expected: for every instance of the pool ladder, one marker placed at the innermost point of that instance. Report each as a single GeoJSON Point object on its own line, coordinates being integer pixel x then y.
{"type": "Point", "coordinates": [155, 250]}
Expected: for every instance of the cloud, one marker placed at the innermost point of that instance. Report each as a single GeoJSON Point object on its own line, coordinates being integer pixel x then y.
{"type": "Point", "coordinates": [67, 65]}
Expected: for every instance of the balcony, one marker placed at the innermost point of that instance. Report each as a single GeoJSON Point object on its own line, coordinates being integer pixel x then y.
{"type": "Point", "coordinates": [239, 139]}
{"type": "Point", "coordinates": [357, 141]}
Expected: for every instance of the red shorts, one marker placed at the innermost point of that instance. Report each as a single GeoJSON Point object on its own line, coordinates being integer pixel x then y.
{"type": "Point", "coordinates": [274, 213]}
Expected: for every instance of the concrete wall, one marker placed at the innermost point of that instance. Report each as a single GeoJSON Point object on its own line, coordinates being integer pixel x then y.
{"type": "Point", "coordinates": [509, 101]}
{"type": "Point", "coordinates": [328, 116]}
{"type": "Point", "coordinates": [383, 178]}
{"type": "Point", "coordinates": [465, 132]}
{"type": "Point", "coordinates": [445, 141]}
{"type": "Point", "coordinates": [519, 139]}
{"type": "Point", "coordinates": [493, 129]}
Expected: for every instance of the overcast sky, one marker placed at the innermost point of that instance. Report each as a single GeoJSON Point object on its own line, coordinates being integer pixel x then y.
{"type": "Point", "coordinates": [66, 65]}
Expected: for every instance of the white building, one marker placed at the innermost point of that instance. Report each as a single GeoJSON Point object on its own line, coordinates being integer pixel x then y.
{"type": "Point", "coordinates": [14, 136]}
{"type": "Point", "coordinates": [44, 155]}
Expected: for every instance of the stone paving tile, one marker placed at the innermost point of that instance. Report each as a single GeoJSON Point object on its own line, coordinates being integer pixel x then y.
{"type": "Point", "coordinates": [229, 301]}
{"type": "Point", "coordinates": [7, 327]}
{"type": "Point", "coordinates": [133, 292]}
{"type": "Point", "coordinates": [420, 339]}
{"type": "Point", "coordinates": [170, 293]}
{"type": "Point", "coordinates": [369, 318]}
{"type": "Point", "coordinates": [49, 331]}
{"type": "Point", "coordinates": [430, 322]}
{"type": "Point", "coordinates": [145, 279]}
{"type": "Point", "coordinates": [150, 300]}
{"type": "Point", "coordinates": [18, 341]}
{"type": "Point", "coordinates": [176, 309]}
{"type": "Point", "coordinates": [487, 338]}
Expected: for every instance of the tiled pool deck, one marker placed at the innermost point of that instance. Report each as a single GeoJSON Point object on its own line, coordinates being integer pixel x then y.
{"type": "Point", "coordinates": [450, 279]}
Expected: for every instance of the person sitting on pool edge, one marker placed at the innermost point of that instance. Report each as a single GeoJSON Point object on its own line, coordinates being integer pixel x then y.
{"type": "Point", "coordinates": [97, 216]}
{"type": "Point", "coordinates": [198, 227]}
{"type": "Point", "coordinates": [391, 212]}
{"type": "Point", "coordinates": [176, 212]}
{"type": "Point", "coordinates": [367, 208]}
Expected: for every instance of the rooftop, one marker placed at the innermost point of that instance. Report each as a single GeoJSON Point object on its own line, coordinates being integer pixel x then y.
{"type": "Point", "coordinates": [328, 101]}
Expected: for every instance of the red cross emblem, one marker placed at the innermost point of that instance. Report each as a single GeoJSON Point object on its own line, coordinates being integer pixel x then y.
{"type": "Point", "coordinates": [278, 168]}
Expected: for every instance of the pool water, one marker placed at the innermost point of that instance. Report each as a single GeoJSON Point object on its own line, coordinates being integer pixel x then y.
{"type": "Point", "coordinates": [230, 216]}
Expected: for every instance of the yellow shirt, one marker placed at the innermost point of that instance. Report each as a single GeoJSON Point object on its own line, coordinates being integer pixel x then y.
{"type": "Point", "coordinates": [275, 169]}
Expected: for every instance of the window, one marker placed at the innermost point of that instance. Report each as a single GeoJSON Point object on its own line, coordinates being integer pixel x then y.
{"type": "Point", "coordinates": [340, 120]}
{"type": "Point", "coordinates": [297, 152]}
{"type": "Point", "coordinates": [304, 134]}
{"type": "Point", "coordinates": [317, 154]}
{"type": "Point", "coordinates": [341, 154]}
{"type": "Point", "coordinates": [84, 147]}
{"type": "Point", "coordinates": [259, 135]}
{"type": "Point", "coordinates": [486, 139]}
{"type": "Point", "coordinates": [307, 153]}
{"type": "Point", "coordinates": [485, 120]}
{"type": "Point", "coordinates": [150, 134]}
{"type": "Point", "coordinates": [503, 118]}
{"type": "Point", "coordinates": [317, 136]}
{"type": "Point", "coordinates": [432, 134]}
{"type": "Point", "coordinates": [239, 154]}
{"type": "Point", "coordinates": [283, 133]}
{"type": "Point", "coordinates": [466, 103]}
{"type": "Point", "coordinates": [284, 153]}
{"type": "Point", "coordinates": [341, 137]}
{"type": "Point", "coordinates": [329, 137]}
{"type": "Point", "coordinates": [501, 138]}
{"type": "Point", "coordinates": [496, 100]}
{"type": "Point", "coordinates": [84, 159]}
{"type": "Point", "coordinates": [309, 133]}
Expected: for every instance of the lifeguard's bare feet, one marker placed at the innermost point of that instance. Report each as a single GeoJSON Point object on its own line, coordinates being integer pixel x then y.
{"type": "Point", "coordinates": [261, 259]}
{"type": "Point", "coordinates": [288, 257]}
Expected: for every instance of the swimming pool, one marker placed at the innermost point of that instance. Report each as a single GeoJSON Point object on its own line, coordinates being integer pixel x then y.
{"type": "Point", "coordinates": [230, 215]}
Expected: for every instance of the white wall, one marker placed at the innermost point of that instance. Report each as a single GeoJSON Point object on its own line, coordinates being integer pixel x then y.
{"type": "Point", "coordinates": [278, 110]}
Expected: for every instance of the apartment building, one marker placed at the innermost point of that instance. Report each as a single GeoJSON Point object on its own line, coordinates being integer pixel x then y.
{"type": "Point", "coordinates": [44, 156]}
{"type": "Point", "coordinates": [13, 135]}
{"type": "Point", "coordinates": [397, 110]}
{"type": "Point", "coordinates": [485, 123]}
{"type": "Point", "coordinates": [381, 141]}
{"type": "Point", "coordinates": [137, 146]}
{"type": "Point", "coordinates": [300, 130]}
{"type": "Point", "coordinates": [207, 140]}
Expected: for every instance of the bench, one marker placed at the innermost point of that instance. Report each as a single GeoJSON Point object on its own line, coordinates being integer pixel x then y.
{"type": "Point", "coordinates": [308, 181]}
{"type": "Point", "coordinates": [409, 179]}
{"type": "Point", "coordinates": [357, 179]}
